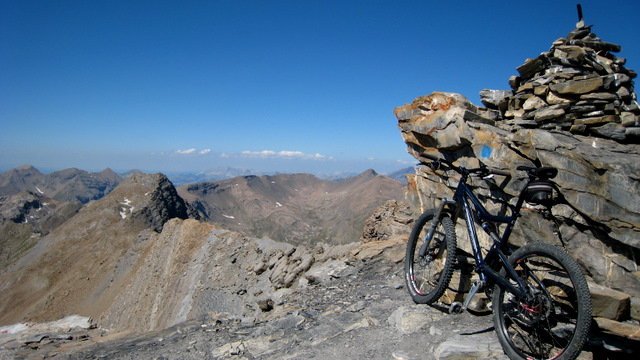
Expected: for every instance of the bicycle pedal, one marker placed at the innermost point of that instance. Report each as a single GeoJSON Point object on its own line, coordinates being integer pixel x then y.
{"type": "Point", "coordinates": [456, 308]}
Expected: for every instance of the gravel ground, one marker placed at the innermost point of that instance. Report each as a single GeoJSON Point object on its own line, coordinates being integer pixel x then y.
{"type": "Point", "coordinates": [363, 311]}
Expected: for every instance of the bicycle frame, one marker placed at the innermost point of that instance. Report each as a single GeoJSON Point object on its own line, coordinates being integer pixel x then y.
{"type": "Point", "coordinates": [485, 270]}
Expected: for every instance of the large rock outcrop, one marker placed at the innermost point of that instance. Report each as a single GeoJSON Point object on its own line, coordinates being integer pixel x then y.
{"type": "Point", "coordinates": [573, 108]}
{"type": "Point", "coordinates": [193, 269]}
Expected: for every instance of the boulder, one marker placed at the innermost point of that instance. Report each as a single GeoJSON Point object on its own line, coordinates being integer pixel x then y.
{"type": "Point", "coordinates": [495, 99]}
{"type": "Point", "coordinates": [608, 303]}
{"type": "Point", "coordinates": [625, 330]}
{"type": "Point", "coordinates": [460, 347]}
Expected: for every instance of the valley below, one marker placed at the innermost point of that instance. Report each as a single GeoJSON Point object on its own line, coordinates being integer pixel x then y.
{"type": "Point", "coordinates": [293, 208]}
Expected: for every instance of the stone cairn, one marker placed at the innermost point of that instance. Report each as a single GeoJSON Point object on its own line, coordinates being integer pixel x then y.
{"type": "Point", "coordinates": [578, 85]}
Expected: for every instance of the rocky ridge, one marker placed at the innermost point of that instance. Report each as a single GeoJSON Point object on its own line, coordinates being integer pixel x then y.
{"type": "Point", "coordinates": [360, 309]}
{"type": "Point", "coordinates": [123, 259]}
{"type": "Point", "coordinates": [77, 267]}
{"type": "Point", "coordinates": [267, 300]}
{"type": "Point", "coordinates": [26, 217]}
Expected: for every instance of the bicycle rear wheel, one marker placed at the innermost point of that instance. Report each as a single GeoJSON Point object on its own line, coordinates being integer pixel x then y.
{"type": "Point", "coordinates": [428, 276]}
{"type": "Point", "coordinates": [555, 322]}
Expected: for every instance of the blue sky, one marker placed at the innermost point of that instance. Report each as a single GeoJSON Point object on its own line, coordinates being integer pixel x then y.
{"type": "Point", "coordinates": [292, 86]}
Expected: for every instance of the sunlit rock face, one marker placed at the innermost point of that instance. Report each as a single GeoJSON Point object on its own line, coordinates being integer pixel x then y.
{"type": "Point", "coordinates": [573, 108]}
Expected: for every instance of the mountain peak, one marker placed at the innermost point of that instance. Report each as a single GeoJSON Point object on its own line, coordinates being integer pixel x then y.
{"type": "Point", "coordinates": [295, 208]}
{"type": "Point", "coordinates": [363, 176]}
{"type": "Point", "coordinates": [130, 173]}
{"type": "Point", "coordinates": [151, 197]}
{"type": "Point", "coordinates": [26, 168]}
{"type": "Point", "coordinates": [108, 172]}
{"type": "Point", "coordinates": [368, 173]}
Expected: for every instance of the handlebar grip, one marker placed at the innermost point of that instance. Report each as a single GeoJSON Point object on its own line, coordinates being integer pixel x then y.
{"type": "Point", "coordinates": [500, 172]}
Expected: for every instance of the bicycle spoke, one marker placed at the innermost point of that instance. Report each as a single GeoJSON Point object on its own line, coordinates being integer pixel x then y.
{"type": "Point", "coordinates": [428, 268]}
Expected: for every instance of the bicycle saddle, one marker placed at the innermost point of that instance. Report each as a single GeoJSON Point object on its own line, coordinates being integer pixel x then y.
{"type": "Point", "coordinates": [545, 172]}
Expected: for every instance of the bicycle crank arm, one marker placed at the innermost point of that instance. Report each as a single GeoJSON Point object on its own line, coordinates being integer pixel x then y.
{"type": "Point", "coordinates": [458, 308]}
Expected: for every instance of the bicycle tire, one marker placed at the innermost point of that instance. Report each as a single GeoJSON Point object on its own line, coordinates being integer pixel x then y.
{"type": "Point", "coordinates": [556, 323]}
{"type": "Point", "coordinates": [427, 278]}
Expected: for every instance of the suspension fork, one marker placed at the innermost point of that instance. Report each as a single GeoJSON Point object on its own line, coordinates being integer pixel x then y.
{"type": "Point", "coordinates": [434, 224]}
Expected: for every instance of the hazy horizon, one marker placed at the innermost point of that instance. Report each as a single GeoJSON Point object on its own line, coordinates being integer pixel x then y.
{"type": "Point", "coordinates": [248, 170]}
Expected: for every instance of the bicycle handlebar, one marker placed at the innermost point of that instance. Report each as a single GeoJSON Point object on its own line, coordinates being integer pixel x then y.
{"type": "Point", "coordinates": [500, 172]}
{"type": "Point", "coordinates": [483, 170]}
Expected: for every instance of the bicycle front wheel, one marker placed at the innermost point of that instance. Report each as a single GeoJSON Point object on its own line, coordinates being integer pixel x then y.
{"type": "Point", "coordinates": [555, 321]}
{"type": "Point", "coordinates": [427, 276]}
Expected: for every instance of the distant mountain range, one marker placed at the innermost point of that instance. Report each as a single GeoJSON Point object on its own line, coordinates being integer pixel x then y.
{"type": "Point", "coordinates": [295, 208]}
{"type": "Point", "coordinates": [227, 172]}
{"type": "Point", "coordinates": [64, 185]}
{"type": "Point", "coordinates": [79, 185]}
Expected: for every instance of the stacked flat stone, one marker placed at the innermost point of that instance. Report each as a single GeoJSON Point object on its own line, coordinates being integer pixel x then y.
{"type": "Point", "coordinates": [578, 85]}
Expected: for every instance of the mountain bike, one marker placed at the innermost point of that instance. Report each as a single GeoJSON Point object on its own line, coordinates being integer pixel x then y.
{"type": "Point", "coordinates": [539, 297]}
